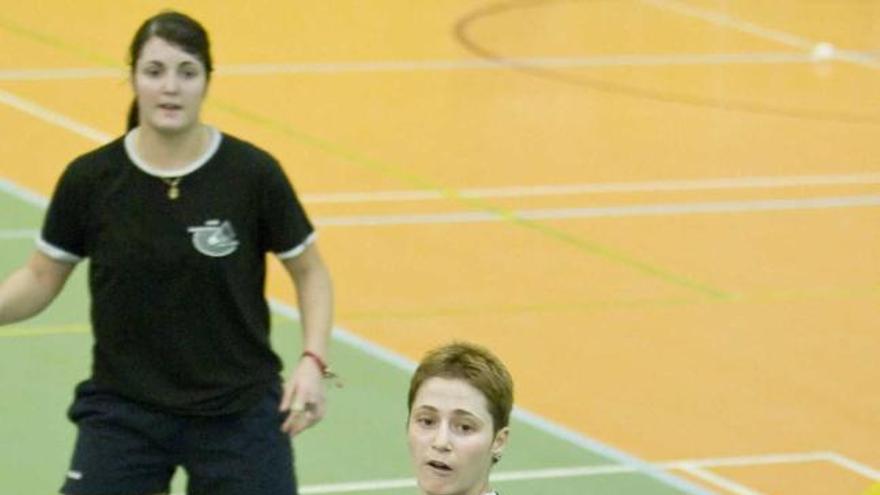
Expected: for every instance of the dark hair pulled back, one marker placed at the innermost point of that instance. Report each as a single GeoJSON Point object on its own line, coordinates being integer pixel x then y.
{"type": "Point", "coordinates": [175, 28]}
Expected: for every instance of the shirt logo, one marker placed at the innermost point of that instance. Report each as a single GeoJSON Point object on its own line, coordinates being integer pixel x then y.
{"type": "Point", "coordinates": [214, 239]}
{"type": "Point", "coordinates": [74, 475]}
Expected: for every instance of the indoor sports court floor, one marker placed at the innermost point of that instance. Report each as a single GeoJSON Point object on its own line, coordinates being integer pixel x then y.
{"type": "Point", "coordinates": [662, 214]}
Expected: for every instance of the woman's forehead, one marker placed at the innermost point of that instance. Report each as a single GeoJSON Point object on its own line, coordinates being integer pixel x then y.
{"type": "Point", "coordinates": [157, 49]}
{"type": "Point", "coordinates": [448, 395]}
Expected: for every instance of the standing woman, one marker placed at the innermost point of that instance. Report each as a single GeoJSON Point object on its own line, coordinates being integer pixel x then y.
{"type": "Point", "coordinates": [176, 219]}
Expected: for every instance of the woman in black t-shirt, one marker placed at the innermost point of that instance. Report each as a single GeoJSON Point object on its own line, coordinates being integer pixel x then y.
{"type": "Point", "coordinates": [176, 219]}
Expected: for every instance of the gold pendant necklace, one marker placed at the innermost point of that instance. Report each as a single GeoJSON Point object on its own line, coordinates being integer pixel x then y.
{"type": "Point", "coordinates": [173, 189]}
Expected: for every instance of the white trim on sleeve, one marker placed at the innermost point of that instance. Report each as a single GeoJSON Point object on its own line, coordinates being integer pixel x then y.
{"type": "Point", "coordinates": [56, 253]}
{"type": "Point", "coordinates": [293, 253]}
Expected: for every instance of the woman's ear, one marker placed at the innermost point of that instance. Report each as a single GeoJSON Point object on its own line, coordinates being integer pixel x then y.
{"type": "Point", "coordinates": [499, 443]}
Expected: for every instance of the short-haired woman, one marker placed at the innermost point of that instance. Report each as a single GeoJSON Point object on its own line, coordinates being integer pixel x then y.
{"type": "Point", "coordinates": [459, 403]}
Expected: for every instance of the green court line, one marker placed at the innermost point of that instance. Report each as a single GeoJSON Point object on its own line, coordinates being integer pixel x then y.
{"type": "Point", "coordinates": [510, 216]}
{"type": "Point", "coordinates": [357, 158]}
{"type": "Point", "coordinates": [42, 330]}
{"type": "Point", "coordinates": [56, 43]}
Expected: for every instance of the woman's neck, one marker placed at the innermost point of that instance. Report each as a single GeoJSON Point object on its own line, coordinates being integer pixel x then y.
{"type": "Point", "coordinates": [483, 489]}
{"type": "Point", "coordinates": [171, 151]}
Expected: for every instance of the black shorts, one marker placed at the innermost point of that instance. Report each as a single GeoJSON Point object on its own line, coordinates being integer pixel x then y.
{"type": "Point", "coordinates": [123, 448]}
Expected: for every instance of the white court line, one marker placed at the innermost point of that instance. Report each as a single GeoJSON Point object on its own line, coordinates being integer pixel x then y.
{"type": "Point", "coordinates": [769, 459]}
{"type": "Point", "coordinates": [87, 132]}
{"type": "Point", "coordinates": [745, 206]}
{"type": "Point", "coordinates": [723, 19]}
{"type": "Point", "coordinates": [62, 74]}
{"type": "Point", "coordinates": [727, 484]}
{"type": "Point", "coordinates": [722, 183]}
{"type": "Point", "coordinates": [866, 59]}
{"type": "Point", "coordinates": [845, 462]}
{"type": "Point", "coordinates": [356, 486]}
{"type": "Point", "coordinates": [696, 467]}
{"type": "Point", "coordinates": [595, 61]}
{"type": "Point", "coordinates": [52, 117]}
{"type": "Point", "coordinates": [536, 474]}
{"type": "Point", "coordinates": [13, 234]}
{"type": "Point", "coordinates": [693, 466]}
{"type": "Point", "coordinates": [752, 460]}
{"type": "Point", "coordinates": [23, 194]}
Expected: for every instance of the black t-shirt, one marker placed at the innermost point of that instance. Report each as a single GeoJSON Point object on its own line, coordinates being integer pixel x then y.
{"type": "Point", "coordinates": [178, 308]}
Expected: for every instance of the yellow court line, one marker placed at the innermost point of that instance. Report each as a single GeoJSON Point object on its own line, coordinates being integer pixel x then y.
{"type": "Point", "coordinates": [39, 331]}
{"type": "Point", "coordinates": [57, 43]}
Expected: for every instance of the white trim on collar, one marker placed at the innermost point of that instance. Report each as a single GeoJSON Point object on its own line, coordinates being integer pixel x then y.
{"type": "Point", "coordinates": [213, 146]}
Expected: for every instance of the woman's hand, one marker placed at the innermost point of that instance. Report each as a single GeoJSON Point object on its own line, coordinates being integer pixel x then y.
{"type": "Point", "coordinates": [303, 398]}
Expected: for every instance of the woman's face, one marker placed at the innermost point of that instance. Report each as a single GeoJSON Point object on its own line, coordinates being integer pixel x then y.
{"type": "Point", "coordinates": [170, 86]}
{"type": "Point", "coordinates": [451, 441]}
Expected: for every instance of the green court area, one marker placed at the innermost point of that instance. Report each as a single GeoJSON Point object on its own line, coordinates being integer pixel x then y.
{"type": "Point", "coordinates": [359, 448]}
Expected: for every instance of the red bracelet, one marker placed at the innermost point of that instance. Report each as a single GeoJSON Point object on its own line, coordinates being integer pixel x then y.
{"type": "Point", "coordinates": [320, 362]}
{"type": "Point", "coordinates": [326, 372]}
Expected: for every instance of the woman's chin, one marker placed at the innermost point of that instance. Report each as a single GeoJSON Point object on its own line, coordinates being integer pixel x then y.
{"type": "Point", "coordinates": [434, 486]}
{"type": "Point", "coordinates": [170, 126]}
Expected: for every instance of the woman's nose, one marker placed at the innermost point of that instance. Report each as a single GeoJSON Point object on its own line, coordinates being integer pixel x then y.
{"type": "Point", "coordinates": [441, 438]}
{"type": "Point", "coordinates": [170, 84]}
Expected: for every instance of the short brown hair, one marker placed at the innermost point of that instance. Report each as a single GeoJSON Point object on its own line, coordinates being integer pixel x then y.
{"type": "Point", "coordinates": [475, 365]}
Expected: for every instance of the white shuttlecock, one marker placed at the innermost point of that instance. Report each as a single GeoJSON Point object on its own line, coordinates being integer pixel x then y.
{"type": "Point", "coordinates": [823, 51]}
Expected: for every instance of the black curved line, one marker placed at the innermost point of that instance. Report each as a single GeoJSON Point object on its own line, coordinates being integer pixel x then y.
{"type": "Point", "coordinates": [464, 23]}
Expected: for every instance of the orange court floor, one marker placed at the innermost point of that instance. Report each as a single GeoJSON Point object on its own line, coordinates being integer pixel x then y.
{"type": "Point", "coordinates": [664, 215]}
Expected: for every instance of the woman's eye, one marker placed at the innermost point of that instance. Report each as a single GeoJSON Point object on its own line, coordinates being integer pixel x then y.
{"type": "Point", "coordinates": [466, 428]}
{"type": "Point", "coordinates": [425, 421]}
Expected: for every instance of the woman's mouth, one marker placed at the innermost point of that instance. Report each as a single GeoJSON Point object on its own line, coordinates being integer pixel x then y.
{"type": "Point", "coordinates": [439, 466]}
